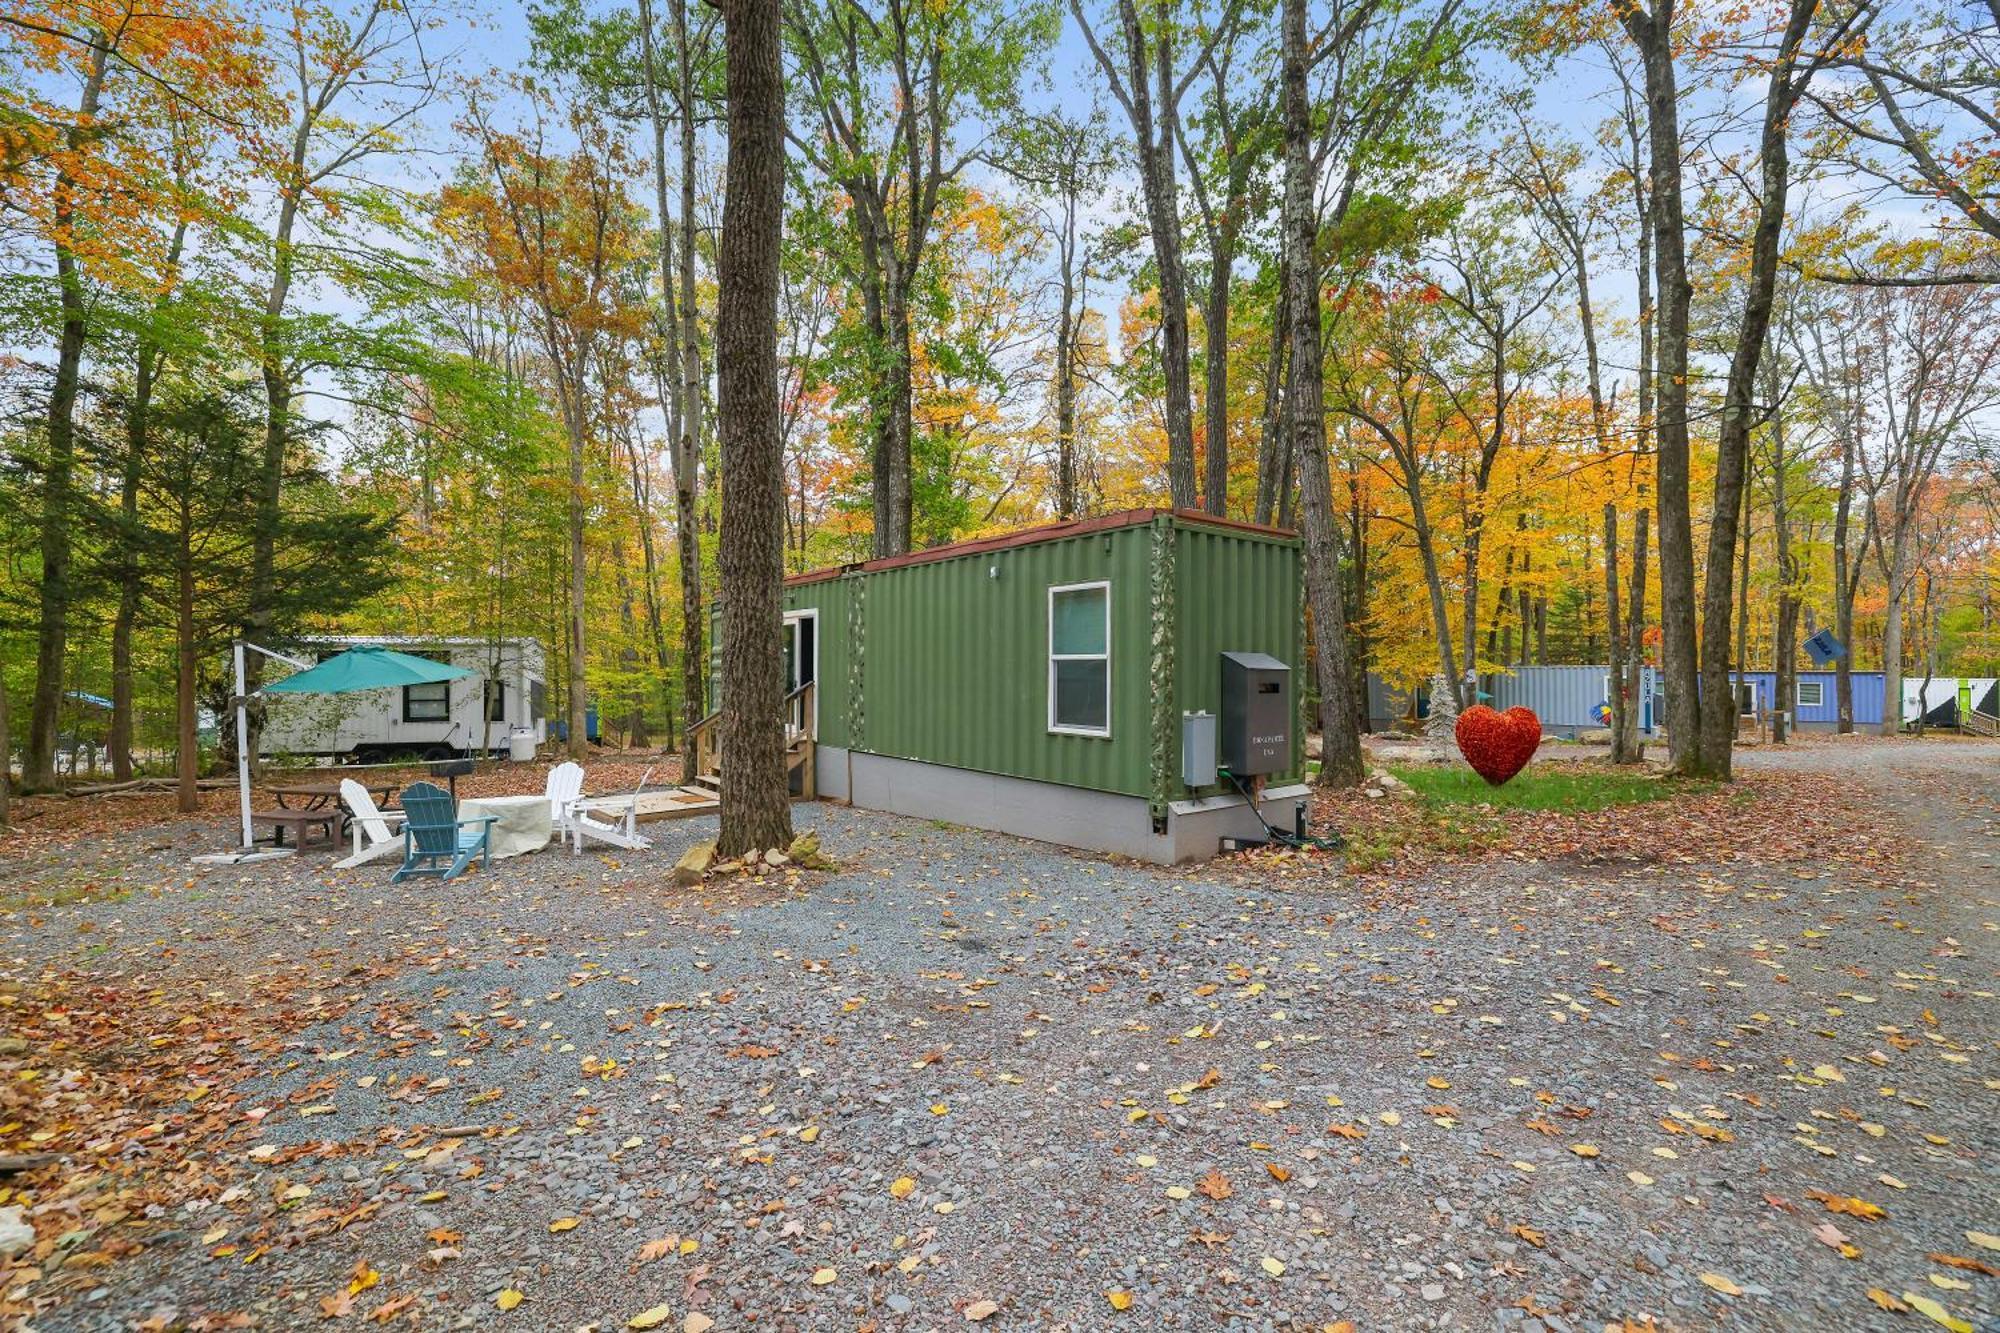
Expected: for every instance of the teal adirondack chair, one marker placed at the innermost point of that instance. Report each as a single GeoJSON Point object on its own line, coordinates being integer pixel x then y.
{"type": "Point", "coordinates": [435, 840]}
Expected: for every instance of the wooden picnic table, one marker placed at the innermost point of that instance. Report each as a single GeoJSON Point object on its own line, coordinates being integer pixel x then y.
{"type": "Point", "coordinates": [316, 797]}
{"type": "Point", "coordinates": [319, 795]}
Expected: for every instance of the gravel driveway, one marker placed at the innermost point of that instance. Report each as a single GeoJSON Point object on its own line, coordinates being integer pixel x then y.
{"type": "Point", "coordinates": [968, 1073]}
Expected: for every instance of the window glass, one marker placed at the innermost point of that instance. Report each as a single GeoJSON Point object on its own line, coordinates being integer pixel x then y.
{"type": "Point", "coordinates": [427, 703]}
{"type": "Point", "coordinates": [1076, 622]}
{"type": "Point", "coordinates": [1080, 659]}
{"type": "Point", "coordinates": [496, 701]}
{"type": "Point", "coordinates": [1812, 693]}
{"type": "Point", "coordinates": [1081, 696]}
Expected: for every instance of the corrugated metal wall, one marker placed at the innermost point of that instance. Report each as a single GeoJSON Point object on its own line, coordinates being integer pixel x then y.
{"type": "Point", "coordinates": [1235, 592]}
{"type": "Point", "coordinates": [829, 597]}
{"type": "Point", "coordinates": [946, 661]}
{"type": "Point", "coordinates": [955, 665]}
{"type": "Point", "coordinates": [1562, 696]}
{"type": "Point", "coordinates": [1867, 695]}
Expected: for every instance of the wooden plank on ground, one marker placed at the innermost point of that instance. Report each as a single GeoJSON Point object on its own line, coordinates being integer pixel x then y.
{"type": "Point", "coordinates": [677, 803]}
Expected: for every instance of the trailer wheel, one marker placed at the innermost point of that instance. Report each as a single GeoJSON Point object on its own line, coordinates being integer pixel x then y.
{"type": "Point", "coordinates": [369, 754]}
{"type": "Point", "coordinates": [435, 754]}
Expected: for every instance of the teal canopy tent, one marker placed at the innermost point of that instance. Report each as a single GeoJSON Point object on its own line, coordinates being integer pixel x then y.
{"type": "Point", "coordinates": [367, 667]}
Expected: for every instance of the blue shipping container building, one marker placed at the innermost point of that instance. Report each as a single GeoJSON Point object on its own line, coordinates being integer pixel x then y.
{"type": "Point", "coordinates": [1815, 698]}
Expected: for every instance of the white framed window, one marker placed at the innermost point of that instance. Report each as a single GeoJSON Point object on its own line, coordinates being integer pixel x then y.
{"type": "Point", "coordinates": [1080, 659]}
{"type": "Point", "coordinates": [1812, 694]}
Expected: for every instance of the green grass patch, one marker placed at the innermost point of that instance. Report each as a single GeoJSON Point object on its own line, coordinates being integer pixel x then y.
{"type": "Point", "coordinates": [1570, 790]}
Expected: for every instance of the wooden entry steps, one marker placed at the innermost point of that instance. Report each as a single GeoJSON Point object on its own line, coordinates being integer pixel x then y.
{"type": "Point", "coordinates": [800, 743]}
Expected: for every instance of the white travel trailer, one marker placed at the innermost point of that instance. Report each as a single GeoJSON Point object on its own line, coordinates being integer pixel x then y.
{"type": "Point", "coordinates": [472, 715]}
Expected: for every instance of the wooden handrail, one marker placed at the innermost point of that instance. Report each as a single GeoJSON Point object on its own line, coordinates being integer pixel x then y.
{"type": "Point", "coordinates": [798, 720]}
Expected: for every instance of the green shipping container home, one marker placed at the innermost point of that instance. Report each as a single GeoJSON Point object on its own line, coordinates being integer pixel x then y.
{"type": "Point", "coordinates": [1039, 682]}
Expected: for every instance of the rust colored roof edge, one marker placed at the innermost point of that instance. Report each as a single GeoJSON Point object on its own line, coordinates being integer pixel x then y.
{"type": "Point", "coordinates": [1042, 532]}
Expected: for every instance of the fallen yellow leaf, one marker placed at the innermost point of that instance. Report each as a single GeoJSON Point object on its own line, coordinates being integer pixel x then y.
{"type": "Point", "coordinates": [1274, 1267]}
{"type": "Point", "coordinates": [562, 1224]}
{"type": "Point", "coordinates": [902, 1187]}
{"type": "Point", "coordinates": [1717, 1282]}
{"type": "Point", "coordinates": [1983, 1240]}
{"type": "Point", "coordinates": [809, 1133]}
{"type": "Point", "coordinates": [1120, 1300]}
{"type": "Point", "coordinates": [509, 1298]}
{"type": "Point", "coordinates": [822, 1276]}
{"type": "Point", "coordinates": [652, 1318]}
{"type": "Point", "coordinates": [1936, 1313]}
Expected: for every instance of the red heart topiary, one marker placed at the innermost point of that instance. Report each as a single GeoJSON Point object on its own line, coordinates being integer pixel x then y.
{"type": "Point", "coordinates": [1498, 745]}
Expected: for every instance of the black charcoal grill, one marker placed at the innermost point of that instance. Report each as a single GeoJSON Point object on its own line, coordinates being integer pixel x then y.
{"type": "Point", "coordinates": [451, 770]}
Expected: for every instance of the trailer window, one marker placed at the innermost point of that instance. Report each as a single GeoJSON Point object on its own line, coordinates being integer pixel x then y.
{"type": "Point", "coordinates": [1080, 659]}
{"type": "Point", "coordinates": [427, 703]}
{"type": "Point", "coordinates": [1812, 694]}
{"type": "Point", "coordinates": [496, 701]}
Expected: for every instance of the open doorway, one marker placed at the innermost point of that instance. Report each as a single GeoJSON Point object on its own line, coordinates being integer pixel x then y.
{"type": "Point", "coordinates": [801, 640]}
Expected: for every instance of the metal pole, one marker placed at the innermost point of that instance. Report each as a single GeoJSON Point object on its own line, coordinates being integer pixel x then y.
{"type": "Point", "coordinates": [243, 747]}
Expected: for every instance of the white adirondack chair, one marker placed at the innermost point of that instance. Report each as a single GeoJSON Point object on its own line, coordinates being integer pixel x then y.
{"type": "Point", "coordinates": [622, 834]}
{"type": "Point", "coordinates": [565, 787]}
{"type": "Point", "coordinates": [374, 833]}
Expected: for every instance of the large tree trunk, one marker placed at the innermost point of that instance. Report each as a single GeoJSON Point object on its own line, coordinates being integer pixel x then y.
{"type": "Point", "coordinates": [1635, 643]}
{"type": "Point", "coordinates": [1651, 31]}
{"type": "Point", "coordinates": [1066, 506]}
{"type": "Point", "coordinates": [147, 364]}
{"type": "Point", "coordinates": [52, 633]}
{"type": "Point", "coordinates": [6, 755]}
{"type": "Point", "coordinates": [1892, 640]}
{"type": "Point", "coordinates": [1272, 440]}
{"type": "Point", "coordinates": [1215, 390]}
{"type": "Point", "coordinates": [127, 615]}
{"type": "Point", "coordinates": [279, 389]}
{"type": "Point", "coordinates": [756, 809]}
{"type": "Point", "coordinates": [1843, 592]}
{"type": "Point", "coordinates": [1785, 636]}
{"type": "Point", "coordinates": [901, 510]}
{"type": "Point", "coordinates": [683, 377]}
{"type": "Point", "coordinates": [1718, 701]}
{"type": "Point", "coordinates": [187, 749]}
{"type": "Point", "coordinates": [1433, 585]}
{"type": "Point", "coordinates": [1153, 135]}
{"type": "Point", "coordinates": [1621, 706]}
{"type": "Point", "coordinates": [578, 570]}
{"type": "Point", "coordinates": [1340, 741]}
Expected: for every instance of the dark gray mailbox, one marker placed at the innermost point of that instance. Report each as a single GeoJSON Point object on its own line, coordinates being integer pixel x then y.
{"type": "Point", "coordinates": [1256, 714]}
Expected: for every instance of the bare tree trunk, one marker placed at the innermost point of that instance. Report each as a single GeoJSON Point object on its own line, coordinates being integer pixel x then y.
{"type": "Point", "coordinates": [187, 765]}
{"type": "Point", "coordinates": [688, 449]}
{"type": "Point", "coordinates": [1635, 644]}
{"type": "Point", "coordinates": [1272, 439]}
{"type": "Point", "coordinates": [1215, 392]}
{"type": "Point", "coordinates": [1066, 506]}
{"type": "Point", "coordinates": [1153, 111]}
{"type": "Point", "coordinates": [1844, 580]}
{"type": "Point", "coordinates": [578, 570]}
{"type": "Point", "coordinates": [1718, 706]}
{"type": "Point", "coordinates": [1614, 640]}
{"type": "Point", "coordinates": [1340, 741]}
{"type": "Point", "coordinates": [1892, 642]}
{"type": "Point", "coordinates": [1650, 28]}
{"type": "Point", "coordinates": [756, 809]}
{"type": "Point", "coordinates": [56, 521]}
{"type": "Point", "coordinates": [6, 754]}
{"type": "Point", "coordinates": [1785, 635]}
